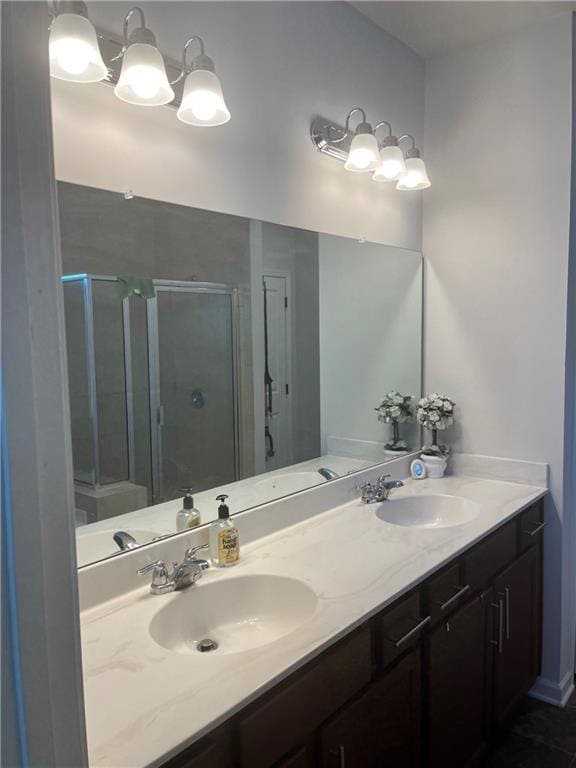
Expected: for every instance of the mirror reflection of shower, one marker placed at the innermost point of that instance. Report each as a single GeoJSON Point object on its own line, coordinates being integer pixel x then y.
{"type": "Point", "coordinates": [153, 389]}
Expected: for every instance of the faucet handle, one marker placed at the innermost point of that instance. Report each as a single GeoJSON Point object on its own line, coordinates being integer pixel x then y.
{"type": "Point", "coordinates": [191, 552]}
{"type": "Point", "coordinates": [382, 479]}
{"type": "Point", "coordinates": [160, 576]}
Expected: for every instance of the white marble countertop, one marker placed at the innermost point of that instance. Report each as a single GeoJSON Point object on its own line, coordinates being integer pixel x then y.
{"type": "Point", "coordinates": [145, 703]}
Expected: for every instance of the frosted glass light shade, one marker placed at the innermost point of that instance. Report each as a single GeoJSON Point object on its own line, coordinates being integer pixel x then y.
{"type": "Point", "coordinates": [143, 78]}
{"type": "Point", "coordinates": [74, 52]}
{"type": "Point", "coordinates": [363, 155]}
{"type": "Point", "coordinates": [202, 100]}
{"type": "Point", "coordinates": [392, 164]}
{"type": "Point", "coordinates": [416, 176]}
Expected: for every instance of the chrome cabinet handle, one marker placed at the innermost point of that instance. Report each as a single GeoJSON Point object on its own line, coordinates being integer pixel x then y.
{"type": "Point", "coordinates": [340, 753]}
{"type": "Point", "coordinates": [536, 530]}
{"type": "Point", "coordinates": [461, 591]}
{"type": "Point", "coordinates": [412, 632]}
{"type": "Point", "coordinates": [507, 603]}
{"type": "Point", "coordinates": [499, 606]}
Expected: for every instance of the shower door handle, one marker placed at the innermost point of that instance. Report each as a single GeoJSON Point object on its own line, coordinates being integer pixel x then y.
{"type": "Point", "coordinates": [160, 416]}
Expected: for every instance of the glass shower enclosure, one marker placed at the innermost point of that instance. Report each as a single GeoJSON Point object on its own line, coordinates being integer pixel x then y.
{"type": "Point", "coordinates": [153, 384]}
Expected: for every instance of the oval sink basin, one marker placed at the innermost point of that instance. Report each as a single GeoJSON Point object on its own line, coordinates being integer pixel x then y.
{"type": "Point", "coordinates": [238, 614]}
{"type": "Point", "coordinates": [434, 511]}
{"type": "Point", "coordinates": [290, 482]}
{"type": "Point", "coordinates": [96, 546]}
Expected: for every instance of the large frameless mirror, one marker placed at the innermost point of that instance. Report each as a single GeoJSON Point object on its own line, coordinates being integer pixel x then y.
{"type": "Point", "coordinates": [228, 355]}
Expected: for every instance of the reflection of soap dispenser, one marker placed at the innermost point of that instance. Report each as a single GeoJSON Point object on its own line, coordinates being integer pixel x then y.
{"type": "Point", "coordinates": [224, 540]}
{"type": "Point", "coordinates": [188, 516]}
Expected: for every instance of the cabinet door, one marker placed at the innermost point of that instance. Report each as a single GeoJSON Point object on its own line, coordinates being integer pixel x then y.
{"type": "Point", "coordinates": [517, 631]}
{"type": "Point", "coordinates": [214, 751]}
{"type": "Point", "coordinates": [457, 668]}
{"type": "Point", "coordinates": [381, 726]}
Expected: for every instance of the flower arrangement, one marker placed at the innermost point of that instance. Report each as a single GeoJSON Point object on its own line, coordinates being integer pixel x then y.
{"type": "Point", "coordinates": [395, 409]}
{"type": "Point", "coordinates": [435, 412]}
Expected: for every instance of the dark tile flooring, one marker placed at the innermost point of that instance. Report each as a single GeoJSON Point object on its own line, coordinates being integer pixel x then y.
{"type": "Point", "coordinates": [541, 736]}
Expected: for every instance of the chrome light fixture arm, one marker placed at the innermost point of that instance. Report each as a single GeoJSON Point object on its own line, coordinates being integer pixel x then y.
{"type": "Point", "coordinates": [140, 34]}
{"type": "Point", "coordinates": [346, 131]}
{"type": "Point", "coordinates": [198, 62]}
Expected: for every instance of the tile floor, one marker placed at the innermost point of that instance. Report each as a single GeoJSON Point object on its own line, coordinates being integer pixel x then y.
{"type": "Point", "coordinates": [541, 736]}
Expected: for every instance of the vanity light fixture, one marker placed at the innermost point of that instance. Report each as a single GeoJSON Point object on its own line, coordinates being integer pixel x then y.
{"type": "Point", "coordinates": [363, 154]}
{"type": "Point", "coordinates": [74, 53]}
{"type": "Point", "coordinates": [143, 79]}
{"type": "Point", "coordinates": [202, 99]}
{"type": "Point", "coordinates": [416, 175]}
{"type": "Point", "coordinates": [359, 151]}
{"type": "Point", "coordinates": [392, 164]}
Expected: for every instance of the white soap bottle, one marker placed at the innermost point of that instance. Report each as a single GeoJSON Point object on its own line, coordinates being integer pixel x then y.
{"type": "Point", "coordinates": [224, 539]}
{"type": "Point", "coordinates": [188, 516]}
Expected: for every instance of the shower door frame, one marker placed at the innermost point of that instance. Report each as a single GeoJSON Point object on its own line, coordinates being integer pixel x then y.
{"type": "Point", "coordinates": [86, 279]}
{"type": "Point", "coordinates": [156, 409]}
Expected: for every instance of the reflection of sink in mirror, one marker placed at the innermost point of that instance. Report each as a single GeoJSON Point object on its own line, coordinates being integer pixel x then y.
{"type": "Point", "coordinates": [433, 511]}
{"type": "Point", "coordinates": [238, 613]}
{"type": "Point", "coordinates": [280, 485]}
{"type": "Point", "coordinates": [91, 546]}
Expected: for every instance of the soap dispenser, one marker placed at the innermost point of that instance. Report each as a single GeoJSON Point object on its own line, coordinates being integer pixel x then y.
{"type": "Point", "coordinates": [224, 540]}
{"type": "Point", "coordinates": [188, 516]}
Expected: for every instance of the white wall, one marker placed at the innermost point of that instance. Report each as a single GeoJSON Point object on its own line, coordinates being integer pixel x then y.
{"type": "Point", "coordinates": [370, 338]}
{"type": "Point", "coordinates": [280, 65]}
{"type": "Point", "coordinates": [496, 225]}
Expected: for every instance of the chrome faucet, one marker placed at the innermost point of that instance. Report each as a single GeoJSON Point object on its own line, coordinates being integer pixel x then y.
{"type": "Point", "coordinates": [328, 474]}
{"type": "Point", "coordinates": [183, 575]}
{"type": "Point", "coordinates": [379, 491]}
{"type": "Point", "coordinates": [125, 541]}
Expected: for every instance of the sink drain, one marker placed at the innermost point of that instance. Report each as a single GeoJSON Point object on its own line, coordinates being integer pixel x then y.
{"type": "Point", "coordinates": [207, 645]}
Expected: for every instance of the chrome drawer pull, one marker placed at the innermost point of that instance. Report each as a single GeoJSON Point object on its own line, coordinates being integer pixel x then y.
{"type": "Point", "coordinates": [500, 642]}
{"type": "Point", "coordinates": [412, 632]}
{"type": "Point", "coordinates": [340, 753]}
{"type": "Point", "coordinates": [536, 530]}
{"type": "Point", "coordinates": [450, 601]}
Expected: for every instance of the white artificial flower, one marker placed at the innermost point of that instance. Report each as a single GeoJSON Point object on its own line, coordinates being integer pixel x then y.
{"type": "Point", "coordinates": [394, 412]}
{"type": "Point", "coordinates": [447, 406]}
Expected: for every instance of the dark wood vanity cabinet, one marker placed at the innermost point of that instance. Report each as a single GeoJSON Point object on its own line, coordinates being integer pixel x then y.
{"type": "Point", "coordinates": [517, 645]}
{"type": "Point", "coordinates": [457, 669]}
{"type": "Point", "coordinates": [424, 684]}
{"type": "Point", "coordinates": [381, 726]}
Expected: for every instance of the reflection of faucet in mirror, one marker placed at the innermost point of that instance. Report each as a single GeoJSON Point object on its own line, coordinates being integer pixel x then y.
{"type": "Point", "coordinates": [328, 474]}
{"type": "Point", "coordinates": [125, 541]}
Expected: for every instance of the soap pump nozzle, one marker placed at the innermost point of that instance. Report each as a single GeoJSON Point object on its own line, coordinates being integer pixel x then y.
{"type": "Point", "coordinates": [188, 500]}
{"type": "Point", "coordinates": [223, 509]}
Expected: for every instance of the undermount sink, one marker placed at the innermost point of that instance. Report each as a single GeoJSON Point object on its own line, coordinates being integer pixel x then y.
{"type": "Point", "coordinates": [433, 511]}
{"type": "Point", "coordinates": [236, 614]}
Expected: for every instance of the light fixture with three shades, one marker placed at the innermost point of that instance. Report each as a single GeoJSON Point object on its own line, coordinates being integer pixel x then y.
{"type": "Point", "coordinates": [75, 56]}
{"type": "Point", "coordinates": [361, 151]}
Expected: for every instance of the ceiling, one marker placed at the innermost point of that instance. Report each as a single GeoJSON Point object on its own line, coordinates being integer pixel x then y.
{"type": "Point", "coordinates": [432, 28]}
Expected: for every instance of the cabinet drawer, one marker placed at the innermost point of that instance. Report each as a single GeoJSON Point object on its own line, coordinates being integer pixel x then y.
{"type": "Point", "coordinates": [490, 557]}
{"type": "Point", "coordinates": [400, 628]}
{"type": "Point", "coordinates": [286, 718]}
{"type": "Point", "coordinates": [446, 591]}
{"type": "Point", "coordinates": [531, 526]}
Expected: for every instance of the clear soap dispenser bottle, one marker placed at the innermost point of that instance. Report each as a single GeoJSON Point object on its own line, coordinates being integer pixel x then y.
{"type": "Point", "coordinates": [224, 540]}
{"type": "Point", "coordinates": [187, 517]}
